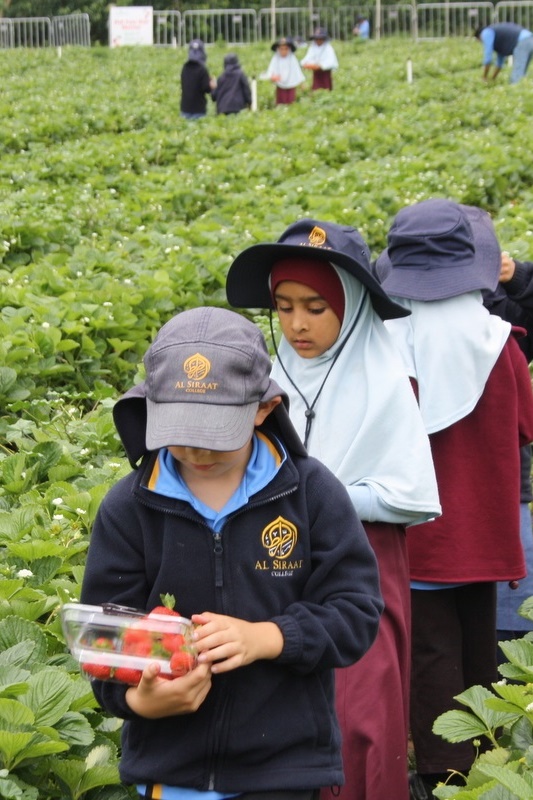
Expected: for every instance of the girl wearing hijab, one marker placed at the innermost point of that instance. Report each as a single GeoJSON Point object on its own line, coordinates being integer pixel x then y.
{"type": "Point", "coordinates": [477, 405]}
{"type": "Point", "coordinates": [353, 405]}
{"type": "Point", "coordinates": [284, 70]}
{"type": "Point", "coordinates": [321, 59]}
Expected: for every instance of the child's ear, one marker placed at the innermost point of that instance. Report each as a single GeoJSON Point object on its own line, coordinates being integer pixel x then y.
{"type": "Point", "coordinates": [265, 409]}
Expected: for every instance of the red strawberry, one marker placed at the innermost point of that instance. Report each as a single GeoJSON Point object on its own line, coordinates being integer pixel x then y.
{"type": "Point", "coordinates": [103, 643]}
{"type": "Point", "coordinates": [128, 675]}
{"type": "Point", "coordinates": [181, 662]}
{"type": "Point", "coordinates": [137, 641]}
{"type": "Point", "coordinates": [173, 641]}
{"type": "Point", "coordinates": [168, 612]}
{"type": "Point", "coordinates": [99, 671]}
{"type": "Point", "coordinates": [168, 602]}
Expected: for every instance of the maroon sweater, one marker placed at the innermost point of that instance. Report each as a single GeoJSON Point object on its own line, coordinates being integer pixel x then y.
{"type": "Point", "coordinates": [477, 463]}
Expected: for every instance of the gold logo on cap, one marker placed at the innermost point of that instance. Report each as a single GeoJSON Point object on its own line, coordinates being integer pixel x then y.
{"type": "Point", "coordinates": [317, 237]}
{"type": "Point", "coordinates": [196, 367]}
{"type": "Point", "coordinates": [279, 538]}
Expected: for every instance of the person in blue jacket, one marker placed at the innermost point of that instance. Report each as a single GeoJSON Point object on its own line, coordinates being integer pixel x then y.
{"type": "Point", "coordinates": [262, 549]}
{"type": "Point", "coordinates": [505, 39]}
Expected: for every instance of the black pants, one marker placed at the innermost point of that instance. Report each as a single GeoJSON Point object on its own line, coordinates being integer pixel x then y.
{"type": "Point", "coordinates": [453, 648]}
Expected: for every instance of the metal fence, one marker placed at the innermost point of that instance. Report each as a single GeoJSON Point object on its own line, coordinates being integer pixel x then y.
{"type": "Point", "coordinates": [234, 26]}
{"type": "Point", "coordinates": [70, 29]}
{"type": "Point", "coordinates": [425, 21]}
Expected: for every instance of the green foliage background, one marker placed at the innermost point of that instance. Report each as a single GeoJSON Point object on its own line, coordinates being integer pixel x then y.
{"type": "Point", "coordinates": [115, 213]}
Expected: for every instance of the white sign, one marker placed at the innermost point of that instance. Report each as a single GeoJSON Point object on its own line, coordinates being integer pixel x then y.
{"type": "Point", "coordinates": [130, 25]}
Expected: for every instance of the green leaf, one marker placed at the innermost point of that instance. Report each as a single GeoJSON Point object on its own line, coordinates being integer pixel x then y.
{"type": "Point", "coordinates": [459, 726]}
{"type": "Point", "coordinates": [49, 696]}
{"type": "Point", "coordinates": [75, 729]}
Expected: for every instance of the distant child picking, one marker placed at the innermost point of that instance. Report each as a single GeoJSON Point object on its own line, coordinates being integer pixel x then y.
{"type": "Point", "coordinates": [284, 71]}
{"type": "Point", "coordinates": [321, 59]}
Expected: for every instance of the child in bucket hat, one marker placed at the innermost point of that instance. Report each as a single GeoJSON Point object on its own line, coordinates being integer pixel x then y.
{"type": "Point", "coordinates": [261, 548]}
{"type": "Point", "coordinates": [196, 83]}
{"type": "Point", "coordinates": [352, 402]}
{"type": "Point", "coordinates": [284, 70]}
{"type": "Point", "coordinates": [476, 401]}
{"type": "Point", "coordinates": [321, 59]}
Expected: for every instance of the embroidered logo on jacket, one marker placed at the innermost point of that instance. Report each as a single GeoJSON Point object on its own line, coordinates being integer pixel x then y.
{"type": "Point", "coordinates": [279, 540]}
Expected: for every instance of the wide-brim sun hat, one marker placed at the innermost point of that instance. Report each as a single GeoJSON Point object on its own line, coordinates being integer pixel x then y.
{"type": "Point", "coordinates": [439, 249]}
{"type": "Point", "coordinates": [248, 284]}
{"type": "Point", "coordinates": [288, 40]}
{"type": "Point", "coordinates": [207, 371]}
{"type": "Point", "coordinates": [320, 33]}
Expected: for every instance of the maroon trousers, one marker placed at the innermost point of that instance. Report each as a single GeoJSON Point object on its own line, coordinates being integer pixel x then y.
{"type": "Point", "coordinates": [285, 97]}
{"type": "Point", "coordinates": [372, 696]}
{"type": "Point", "coordinates": [322, 79]}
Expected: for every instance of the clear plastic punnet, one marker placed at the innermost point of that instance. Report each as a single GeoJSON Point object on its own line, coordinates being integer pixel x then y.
{"type": "Point", "coordinates": [113, 642]}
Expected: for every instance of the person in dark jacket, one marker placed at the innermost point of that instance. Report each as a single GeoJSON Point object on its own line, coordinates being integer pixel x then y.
{"type": "Point", "coordinates": [232, 93]}
{"type": "Point", "coordinates": [196, 82]}
{"type": "Point", "coordinates": [505, 39]}
{"type": "Point", "coordinates": [512, 300]}
{"type": "Point", "coordinates": [262, 549]}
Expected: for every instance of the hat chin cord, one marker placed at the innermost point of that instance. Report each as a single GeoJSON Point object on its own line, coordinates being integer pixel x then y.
{"type": "Point", "coordinates": [310, 413]}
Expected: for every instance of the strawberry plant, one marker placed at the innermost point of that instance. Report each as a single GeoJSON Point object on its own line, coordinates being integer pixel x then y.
{"type": "Point", "coordinates": [115, 214]}
{"type": "Point", "coordinates": [504, 716]}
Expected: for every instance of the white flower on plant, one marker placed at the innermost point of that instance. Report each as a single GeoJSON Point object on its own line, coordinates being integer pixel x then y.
{"type": "Point", "coordinates": [24, 573]}
{"type": "Point", "coordinates": [45, 325]}
{"type": "Point", "coordinates": [529, 708]}
{"type": "Point", "coordinates": [58, 516]}
{"type": "Point", "coordinates": [81, 511]}
{"type": "Point", "coordinates": [107, 304]}
{"type": "Point", "coordinates": [114, 465]}
{"type": "Point", "coordinates": [57, 501]}
{"type": "Point", "coordinates": [84, 451]}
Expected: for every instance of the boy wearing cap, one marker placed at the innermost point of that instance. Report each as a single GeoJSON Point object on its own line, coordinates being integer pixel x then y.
{"type": "Point", "coordinates": [321, 59]}
{"type": "Point", "coordinates": [354, 407]}
{"type": "Point", "coordinates": [477, 404]}
{"type": "Point", "coordinates": [261, 548]}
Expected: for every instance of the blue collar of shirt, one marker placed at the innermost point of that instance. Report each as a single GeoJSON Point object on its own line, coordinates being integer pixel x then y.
{"type": "Point", "coordinates": [266, 459]}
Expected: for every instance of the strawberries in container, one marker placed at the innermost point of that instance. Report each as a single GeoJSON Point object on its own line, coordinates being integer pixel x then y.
{"type": "Point", "coordinates": [115, 643]}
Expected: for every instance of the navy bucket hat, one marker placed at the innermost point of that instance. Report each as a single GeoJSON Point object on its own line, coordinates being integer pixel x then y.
{"type": "Point", "coordinates": [439, 249]}
{"type": "Point", "coordinates": [248, 284]}
{"type": "Point", "coordinates": [320, 33]}
{"type": "Point", "coordinates": [197, 51]}
{"type": "Point", "coordinates": [287, 40]}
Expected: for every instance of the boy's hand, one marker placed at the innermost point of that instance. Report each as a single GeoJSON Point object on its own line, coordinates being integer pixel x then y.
{"type": "Point", "coordinates": [507, 268]}
{"type": "Point", "coordinates": [228, 642]}
{"type": "Point", "coordinates": [157, 697]}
